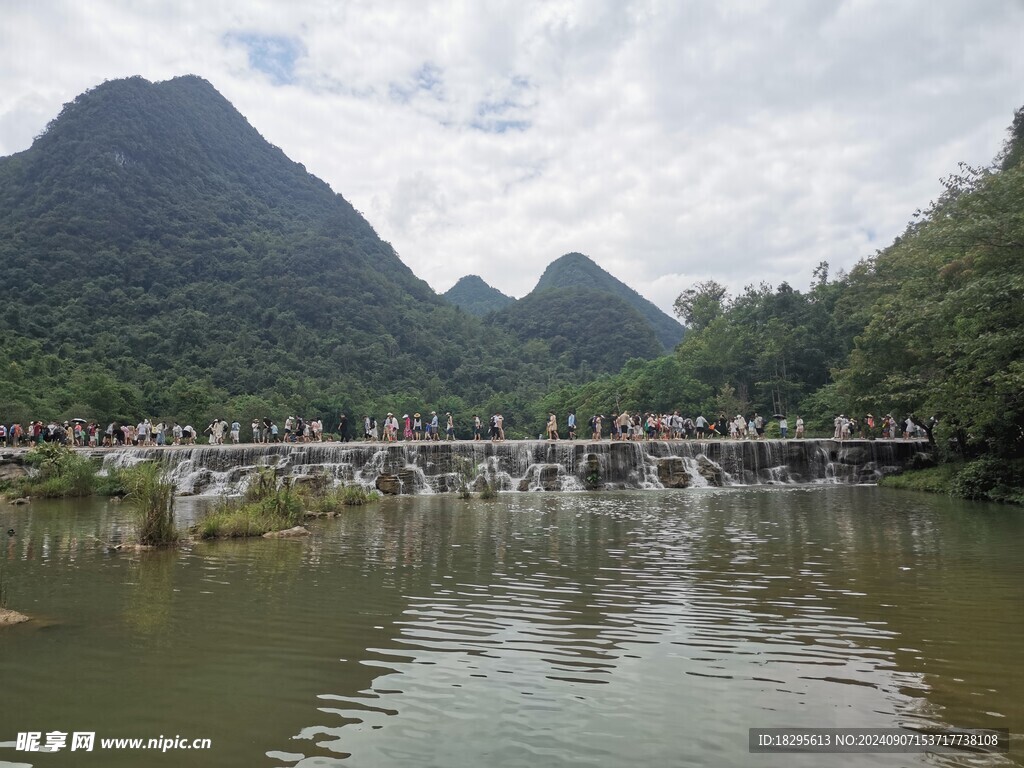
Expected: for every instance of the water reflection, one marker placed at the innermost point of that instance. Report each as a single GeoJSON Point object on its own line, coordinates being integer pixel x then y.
{"type": "Point", "coordinates": [639, 628]}
{"type": "Point", "coordinates": [775, 603]}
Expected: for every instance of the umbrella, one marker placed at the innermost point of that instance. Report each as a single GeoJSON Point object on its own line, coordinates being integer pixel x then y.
{"type": "Point", "coordinates": [778, 415]}
{"type": "Point", "coordinates": [79, 421]}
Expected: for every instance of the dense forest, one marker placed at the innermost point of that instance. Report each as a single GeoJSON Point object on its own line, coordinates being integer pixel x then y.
{"type": "Point", "coordinates": [930, 327]}
{"type": "Point", "coordinates": [471, 294]}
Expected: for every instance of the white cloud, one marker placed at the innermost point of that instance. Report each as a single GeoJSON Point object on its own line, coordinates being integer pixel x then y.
{"type": "Point", "coordinates": [671, 141]}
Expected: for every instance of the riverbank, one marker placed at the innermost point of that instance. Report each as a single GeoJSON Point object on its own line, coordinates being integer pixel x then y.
{"type": "Point", "coordinates": [986, 479]}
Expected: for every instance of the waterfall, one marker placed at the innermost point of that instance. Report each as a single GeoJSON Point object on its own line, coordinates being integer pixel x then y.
{"type": "Point", "coordinates": [527, 465]}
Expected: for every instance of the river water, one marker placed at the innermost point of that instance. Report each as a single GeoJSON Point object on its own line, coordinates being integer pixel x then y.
{"type": "Point", "coordinates": [648, 628]}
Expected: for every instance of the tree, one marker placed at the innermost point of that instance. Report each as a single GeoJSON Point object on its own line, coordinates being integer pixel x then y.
{"type": "Point", "coordinates": [699, 305]}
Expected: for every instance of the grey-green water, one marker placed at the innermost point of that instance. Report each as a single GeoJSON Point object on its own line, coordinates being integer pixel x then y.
{"type": "Point", "coordinates": [641, 628]}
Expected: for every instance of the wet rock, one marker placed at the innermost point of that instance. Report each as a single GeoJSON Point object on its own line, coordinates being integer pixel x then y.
{"type": "Point", "coordinates": [407, 481]}
{"type": "Point", "coordinates": [289, 533]}
{"type": "Point", "coordinates": [201, 480]}
{"type": "Point", "coordinates": [10, 472]}
{"type": "Point", "coordinates": [592, 471]}
{"type": "Point", "coordinates": [672, 472]}
{"type": "Point", "coordinates": [9, 618]}
{"type": "Point", "coordinates": [527, 481]}
{"type": "Point", "coordinates": [853, 456]}
{"type": "Point", "coordinates": [709, 471]}
{"type": "Point", "coordinates": [389, 484]}
{"type": "Point", "coordinates": [549, 477]}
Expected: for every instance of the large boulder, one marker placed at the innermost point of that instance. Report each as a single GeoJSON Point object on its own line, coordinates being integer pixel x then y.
{"type": "Point", "coordinates": [709, 471]}
{"type": "Point", "coordinates": [404, 481]}
{"type": "Point", "coordinates": [672, 472]}
{"type": "Point", "coordinates": [543, 475]}
{"type": "Point", "coordinates": [549, 477]}
{"type": "Point", "coordinates": [389, 484]}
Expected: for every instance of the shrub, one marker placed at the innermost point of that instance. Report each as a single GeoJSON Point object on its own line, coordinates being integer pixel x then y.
{"type": "Point", "coordinates": [990, 479]}
{"type": "Point", "coordinates": [60, 472]}
{"type": "Point", "coordinates": [111, 484]}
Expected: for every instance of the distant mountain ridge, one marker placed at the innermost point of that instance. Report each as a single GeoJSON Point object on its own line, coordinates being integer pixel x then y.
{"type": "Point", "coordinates": [475, 296]}
{"type": "Point", "coordinates": [574, 272]}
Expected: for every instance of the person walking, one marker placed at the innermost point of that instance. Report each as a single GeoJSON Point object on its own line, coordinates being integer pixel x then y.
{"type": "Point", "coordinates": [552, 426]}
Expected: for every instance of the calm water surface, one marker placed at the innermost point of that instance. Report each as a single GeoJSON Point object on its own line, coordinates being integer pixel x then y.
{"type": "Point", "coordinates": [641, 628]}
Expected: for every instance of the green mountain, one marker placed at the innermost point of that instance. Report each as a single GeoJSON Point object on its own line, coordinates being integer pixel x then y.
{"type": "Point", "coordinates": [591, 321]}
{"type": "Point", "coordinates": [160, 258]}
{"type": "Point", "coordinates": [590, 330]}
{"type": "Point", "coordinates": [574, 270]}
{"type": "Point", "coordinates": [475, 296]}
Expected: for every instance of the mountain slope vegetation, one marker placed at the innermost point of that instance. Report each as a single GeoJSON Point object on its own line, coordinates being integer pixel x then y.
{"type": "Point", "coordinates": [153, 244]}
{"type": "Point", "coordinates": [574, 270]}
{"type": "Point", "coordinates": [473, 295]}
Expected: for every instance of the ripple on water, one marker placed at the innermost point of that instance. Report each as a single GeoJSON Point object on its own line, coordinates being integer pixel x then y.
{"type": "Point", "coordinates": [640, 629]}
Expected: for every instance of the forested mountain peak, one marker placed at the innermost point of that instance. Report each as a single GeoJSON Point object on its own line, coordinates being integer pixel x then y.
{"type": "Point", "coordinates": [163, 257]}
{"type": "Point", "coordinates": [472, 294]}
{"type": "Point", "coordinates": [168, 151]}
{"type": "Point", "coordinates": [575, 270]}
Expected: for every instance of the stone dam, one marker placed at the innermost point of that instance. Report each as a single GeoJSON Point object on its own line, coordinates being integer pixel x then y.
{"type": "Point", "coordinates": [531, 465]}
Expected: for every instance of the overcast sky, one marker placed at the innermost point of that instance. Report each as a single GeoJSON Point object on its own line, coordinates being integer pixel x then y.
{"type": "Point", "coordinates": [672, 142]}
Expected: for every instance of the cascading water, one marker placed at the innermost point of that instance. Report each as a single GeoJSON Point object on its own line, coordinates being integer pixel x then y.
{"type": "Point", "coordinates": [531, 465]}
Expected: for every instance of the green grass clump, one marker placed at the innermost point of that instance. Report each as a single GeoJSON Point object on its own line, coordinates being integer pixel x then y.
{"type": "Point", "coordinates": [268, 506]}
{"type": "Point", "coordinates": [932, 480]}
{"type": "Point", "coordinates": [152, 499]}
{"type": "Point", "coordinates": [356, 495]}
{"type": "Point", "coordinates": [230, 521]}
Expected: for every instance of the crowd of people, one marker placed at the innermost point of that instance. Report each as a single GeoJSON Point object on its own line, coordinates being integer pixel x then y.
{"type": "Point", "coordinates": [416, 427]}
{"type": "Point", "coordinates": [670, 426]}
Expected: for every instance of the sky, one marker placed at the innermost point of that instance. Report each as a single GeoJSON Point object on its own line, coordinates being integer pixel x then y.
{"type": "Point", "coordinates": [672, 142]}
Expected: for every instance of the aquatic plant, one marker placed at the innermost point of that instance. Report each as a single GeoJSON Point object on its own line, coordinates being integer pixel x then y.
{"type": "Point", "coordinates": [152, 499]}
{"type": "Point", "coordinates": [357, 495]}
{"type": "Point", "coordinates": [268, 506]}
